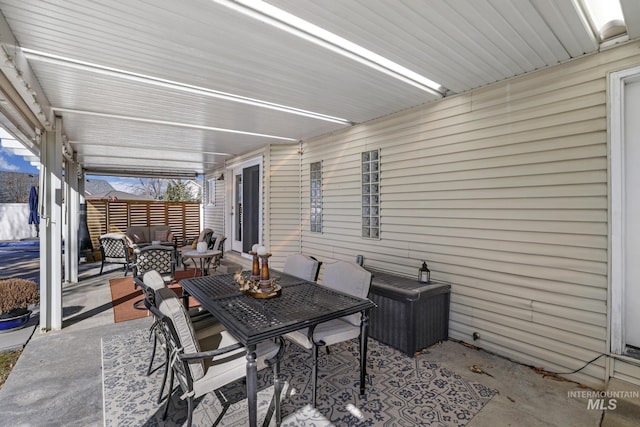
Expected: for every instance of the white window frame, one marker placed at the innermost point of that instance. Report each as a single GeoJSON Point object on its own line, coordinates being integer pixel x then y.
{"type": "Point", "coordinates": [617, 81]}
{"type": "Point", "coordinates": [369, 220]}
{"type": "Point", "coordinates": [315, 201]}
{"type": "Point", "coordinates": [211, 191]}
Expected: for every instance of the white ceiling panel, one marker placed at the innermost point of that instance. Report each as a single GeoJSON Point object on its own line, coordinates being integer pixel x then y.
{"type": "Point", "coordinates": [148, 101]}
{"type": "Point", "coordinates": [132, 80]}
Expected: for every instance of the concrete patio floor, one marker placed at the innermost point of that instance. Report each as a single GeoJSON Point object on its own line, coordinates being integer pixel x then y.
{"type": "Point", "coordinates": [58, 380]}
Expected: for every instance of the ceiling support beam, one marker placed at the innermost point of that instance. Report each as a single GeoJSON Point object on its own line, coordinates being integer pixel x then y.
{"type": "Point", "coordinates": [18, 72]}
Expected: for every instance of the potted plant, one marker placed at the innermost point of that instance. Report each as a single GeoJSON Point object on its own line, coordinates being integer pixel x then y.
{"type": "Point", "coordinates": [16, 295]}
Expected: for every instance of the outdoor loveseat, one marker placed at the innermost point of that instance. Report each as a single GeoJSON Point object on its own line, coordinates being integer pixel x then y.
{"type": "Point", "coordinates": [138, 236]}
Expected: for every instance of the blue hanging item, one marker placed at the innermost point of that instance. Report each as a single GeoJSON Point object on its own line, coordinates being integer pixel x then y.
{"type": "Point", "coordinates": [34, 218]}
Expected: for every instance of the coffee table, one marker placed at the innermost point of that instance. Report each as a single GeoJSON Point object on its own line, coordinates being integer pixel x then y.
{"type": "Point", "coordinates": [202, 258]}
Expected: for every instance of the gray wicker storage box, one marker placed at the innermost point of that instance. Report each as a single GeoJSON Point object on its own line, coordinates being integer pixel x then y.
{"type": "Point", "coordinates": [409, 315]}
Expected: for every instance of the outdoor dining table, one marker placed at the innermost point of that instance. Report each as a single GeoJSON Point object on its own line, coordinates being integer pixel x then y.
{"type": "Point", "coordinates": [250, 320]}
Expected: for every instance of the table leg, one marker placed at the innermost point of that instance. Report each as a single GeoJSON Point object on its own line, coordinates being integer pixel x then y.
{"type": "Point", "coordinates": [252, 385]}
{"type": "Point", "coordinates": [364, 336]}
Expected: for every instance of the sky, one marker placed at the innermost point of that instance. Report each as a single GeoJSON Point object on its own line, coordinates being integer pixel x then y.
{"type": "Point", "coordinates": [12, 163]}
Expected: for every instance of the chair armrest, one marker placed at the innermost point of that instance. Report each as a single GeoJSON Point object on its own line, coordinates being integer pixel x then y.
{"type": "Point", "coordinates": [211, 353]}
{"type": "Point", "coordinates": [137, 282]}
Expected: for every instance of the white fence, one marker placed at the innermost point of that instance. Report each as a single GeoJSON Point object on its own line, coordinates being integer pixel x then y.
{"type": "Point", "coordinates": [14, 222]}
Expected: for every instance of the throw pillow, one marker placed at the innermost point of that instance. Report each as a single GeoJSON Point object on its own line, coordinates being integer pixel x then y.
{"type": "Point", "coordinates": [161, 235]}
{"type": "Point", "coordinates": [138, 237]}
{"type": "Point", "coordinates": [194, 245]}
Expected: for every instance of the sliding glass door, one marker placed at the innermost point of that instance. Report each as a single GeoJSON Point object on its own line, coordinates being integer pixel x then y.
{"type": "Point", "coordinates": [246, 224]}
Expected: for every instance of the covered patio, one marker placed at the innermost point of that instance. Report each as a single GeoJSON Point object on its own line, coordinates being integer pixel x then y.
{"type": "Point", "coordinates": [60, 376]}
{"type": "Point", "coordinates": [492, 140]}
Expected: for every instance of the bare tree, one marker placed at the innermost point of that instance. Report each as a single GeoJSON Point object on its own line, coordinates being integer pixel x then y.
{"type": "Point", "coordinates": [152, 187]}
{"type": "Point", "coordinates": [17, 186]}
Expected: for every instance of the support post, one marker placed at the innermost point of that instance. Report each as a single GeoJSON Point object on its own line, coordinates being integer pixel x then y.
{"type": "Point", "coordinates": [72, 201]}
{"type": "Point", "coordinates": [51, 229]}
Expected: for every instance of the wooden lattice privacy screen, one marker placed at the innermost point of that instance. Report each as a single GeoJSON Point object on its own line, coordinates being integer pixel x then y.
{"type": "Point", "coordinates": [104, 216]}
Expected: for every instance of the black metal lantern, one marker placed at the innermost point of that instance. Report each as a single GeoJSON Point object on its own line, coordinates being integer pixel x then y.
{"type": "Point", "coordinates": [424, 274]}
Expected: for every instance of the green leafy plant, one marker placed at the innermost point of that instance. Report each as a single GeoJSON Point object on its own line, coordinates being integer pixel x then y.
{"type": "Point", "coordinates": [17, 293]}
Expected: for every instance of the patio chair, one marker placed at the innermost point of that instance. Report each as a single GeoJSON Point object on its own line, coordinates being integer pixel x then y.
{"type": "Point", "coordinates": [302, 266]}
{"type": "Point", "coordinates": [155, 257]}
{"type": "Point", "coordinates": [114, 250]}
{"type": "Point", "coordinates": [217, 244]}
{"type": "Point", "coordinates": [155, 290]}
{"type": "Point", "coordinates": [204, 325]}
{"type": "Point", "coordinates": [205, 236]}
{"type": "Point", "coordinates": [345, 277]}
{"type": "Point", "coordinates": [204, 365]}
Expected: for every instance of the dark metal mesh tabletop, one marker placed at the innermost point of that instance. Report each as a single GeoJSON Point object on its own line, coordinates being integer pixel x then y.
{"type": "Point", "coordinates": [299, 305]}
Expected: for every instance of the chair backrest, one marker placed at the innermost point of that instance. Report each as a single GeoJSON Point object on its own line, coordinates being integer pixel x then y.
{"type": "Point", "coordinates": [205, 236]}
{"type": "Point", "coordinates": [154, 257]}
{"type": "Point", "coordinates": [218, 245]}
{"type": "Point", "coordinates": [183, 337]}
{"type": "Point", "coordinates": [349, 278]}
{"type": "Point", "coordinates": [160, 232]}
{"type": "Point", "coordinates": [302, 266]}
{"type": "Point", "coordinates": [153, 280]}
{"type": "Point", "coordinates": [138, 234]}
{"type": "Point", "coordinates": [114, 247]}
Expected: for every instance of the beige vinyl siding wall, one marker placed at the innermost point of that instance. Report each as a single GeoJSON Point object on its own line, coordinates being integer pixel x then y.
{"type": "Point", "coordinates": [282, 202]}
{"type": "Point", "coordinates": [504, 192]}
{"type": "Point", "coordinates": [213, 214]}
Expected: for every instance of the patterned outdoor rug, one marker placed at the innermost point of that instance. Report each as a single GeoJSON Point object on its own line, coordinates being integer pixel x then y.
{"type": "Point", "coordinates": [401, 391]}
{"type": "Point", "coordinates": [124, 294]}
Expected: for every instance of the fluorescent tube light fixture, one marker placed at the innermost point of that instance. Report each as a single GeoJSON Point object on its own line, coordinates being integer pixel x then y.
{"type": "Point", "coordinates": [169, 84]}
{"type": "Point", "coordinates": [606, 17]}
{"type": "Point", "coordinates": [169, 123]}
{"type": "Point", "coordinates": [285, 21]}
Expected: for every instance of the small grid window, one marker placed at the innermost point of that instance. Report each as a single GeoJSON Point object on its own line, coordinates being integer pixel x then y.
{"type": "Point", "coordinates": [316, 196]}
{"type": "Point", "coordinates": [371, 194]}
{"type": "Point", "coordinates": [211, 191]}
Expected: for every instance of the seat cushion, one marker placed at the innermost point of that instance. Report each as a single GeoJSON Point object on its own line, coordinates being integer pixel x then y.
{"type": "Point", "coordinates": [331, 332]}
{"type": "Point", "coordinates": [205, 235]}
{"type": "Point", "coordinates": [117, 236]}
{"type": "Point", "coordinates": [231, 366]}
{"type": "Point", "coordinates": [301, 266]}
{"type": "Point", "coordinates": [349, 278]}
{"type": "Point", "coordinates": [160, 235]}
{"type": "Point", "coordinates": [171, 307]}
{"type": "Point", "coordinates": [138, 234]}
{"type": "Point", "coordinates": [160, 232]}
{"type": "Point", "coordinates": [206, 326]}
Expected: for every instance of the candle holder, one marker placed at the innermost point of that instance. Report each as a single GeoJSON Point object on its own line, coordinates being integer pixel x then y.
{"type": "Point", "coordinates": [265, 281]}
{"type": "Point", "coordinates": [255, 266]}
